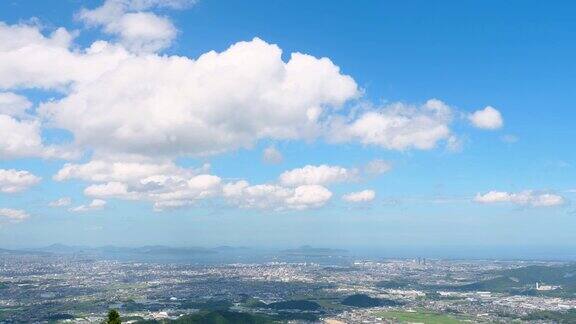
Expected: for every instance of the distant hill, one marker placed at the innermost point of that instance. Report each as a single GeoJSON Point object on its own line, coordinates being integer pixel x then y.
{"type": "Point", "coordinates": [226, 248]}
{"type": "Point", "coordinates": [567, 317]}
{"type": "Point", "coordinates": [166, 250]}
{"type": "Point", "coordinates": [499, 284]}
{"type": "Point", "coordinates": [207, 305]}
{"type": "Point", "coordinates": [523, 280]}
{"type": "Point", "coordinates": [552, 275]}
{"type": "Point", "coordinates": [110, 249]}
{"type": "Point", "coordinates": [393, 284]}
{"type": "Point", "coordinates": [254, 303]}
{"type": "Point", "coordinates": [364, 301]}
{"type": "Point", "coordinates": [23, 252]}
{"type": "Point", "coordinates": [303, 305]}
{"type": "Point", "coordinates": [62, 249]}
{"type": "Point", "coordinates": [216, 317]}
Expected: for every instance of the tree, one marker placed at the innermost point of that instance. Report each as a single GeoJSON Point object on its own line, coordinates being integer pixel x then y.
{"type": "Point", "coordinates": [113, 317]}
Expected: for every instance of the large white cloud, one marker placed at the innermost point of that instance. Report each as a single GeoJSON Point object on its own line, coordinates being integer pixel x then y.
{"type": "Point", "coordinates": [166, 190]}
{"type": "Point", "coordinates": [317, 175]}
{"type": "Point", "coordinates": [167, 186]}
{"type": "Point", "coordinates": [174, 105]}
{"type": "Point", "coordinates": [12, 181]}
{"type": "Point", "coordinates": [160, 182]}
{"type": "Point", "coordinates": [526, 198]}
{"type": "Point", "coordinates": [163, 191]}
{"type": "Point", "coordinates": [487, 118]}
{"type": "Point", "coordinates": [29, 59]}
{"type": "Point", "coordinates": [171, 193]}
{"type": "Point", "coordinates": [398, 126]}
{"type": "Point", "coordinates": [220, 102]}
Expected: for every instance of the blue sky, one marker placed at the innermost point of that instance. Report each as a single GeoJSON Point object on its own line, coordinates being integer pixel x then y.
{"type": "Point", "coordinates": [443, 123]}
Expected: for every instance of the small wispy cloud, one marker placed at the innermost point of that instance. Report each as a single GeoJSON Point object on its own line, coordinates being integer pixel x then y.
{"type": "Point", "coordinates": [62, 202]}
{"type": "Point", "coordinates": [95, 204]}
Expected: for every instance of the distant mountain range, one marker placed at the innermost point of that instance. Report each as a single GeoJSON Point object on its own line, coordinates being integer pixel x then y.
{"type": "Point", "coordinates": [162, 251]}
{"type": "Point", "coordinates": [144, 250]}
{"type": "Point", "coordinates": [21, 252]}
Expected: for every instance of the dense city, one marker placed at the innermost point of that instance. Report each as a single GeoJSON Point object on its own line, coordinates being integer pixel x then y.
{"type": "Point", "coordinates": [311, 287]}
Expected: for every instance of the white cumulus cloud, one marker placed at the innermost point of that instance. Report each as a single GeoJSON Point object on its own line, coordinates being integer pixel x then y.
{"type": "Point", "coordinates": [360, 196]}
{"type": "Point", "coordinates": [170, 105]}
{"type": "Point", "coordinates": [20, 138]}
{"type": "Point", "coordinates": [160, 182]}
{"type": "Point", "coordinates": [309, 196]}
{"type": "Point", "coordinates": [398, 126]}
{"type": "Point", "coordinates": [23, 138]}
{"type": "Point", "coordinates": [12, 181]}
{"type": "Point", "coordinates": [487, 118]}
{"type": "Point", "coordinates": [317, 175]}
{"type": "Point", "coordinates": [137, 29]}
{"type": "Point", "coordinates": [30, 59]}
{"type": "Point", "coordinates": [175, 106]}
{"type": "Point", "coordinates": [109, 190]}
{"type": "Point", "coordinates": [276, 197]}
{"type": "Point", "coordinates": [124, 170]}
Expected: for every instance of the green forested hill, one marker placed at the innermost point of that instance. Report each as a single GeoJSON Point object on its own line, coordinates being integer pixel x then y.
{"type": "Point", "coordinates": [523, 280]}
{"type": "Point", "coordinates": [216, 317]}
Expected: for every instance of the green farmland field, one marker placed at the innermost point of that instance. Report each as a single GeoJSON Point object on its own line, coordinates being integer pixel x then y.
{"type": "Point", "coordinates": [418, 317]}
